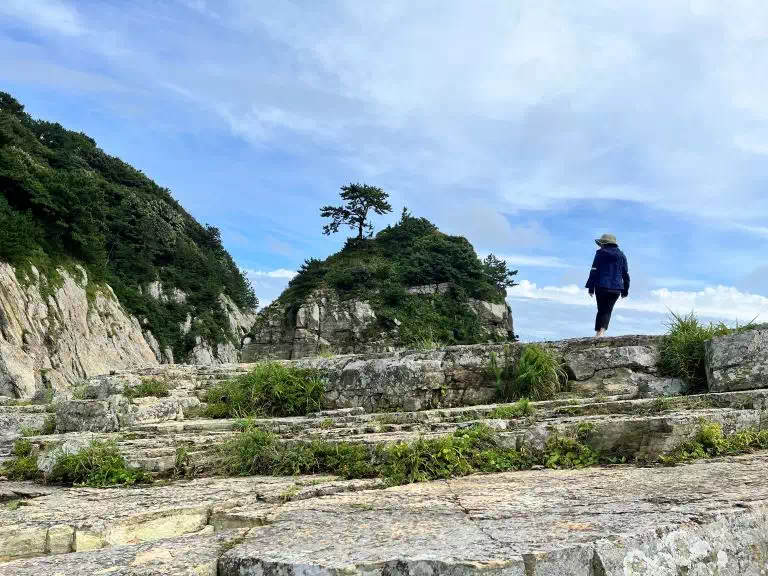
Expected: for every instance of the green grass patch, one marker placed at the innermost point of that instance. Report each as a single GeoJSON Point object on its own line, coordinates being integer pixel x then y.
{"type": "Point", "coordinates": [710, 442]}
{"type": "Point", "coordinates": [682, 349]}
{"type": "Point", "coordinates": [468, 451]}
{"type": "Point", "coordinates": [99, 465]}
{"type": "Point", "coordinates": [517, 410]}
{"type": "Point", "coordinates": [149, 387]}
{"type": "Point", "coordinates": [537, 374]}
{"type": "Point", "coordinates": [23, 465]}
{"type": "Point", "coordinates": [270, 389]}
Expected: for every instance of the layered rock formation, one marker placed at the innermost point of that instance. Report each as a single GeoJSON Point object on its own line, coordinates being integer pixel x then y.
{"type": "Point", "coordinates": [738, 361]}
{"type": "Point", "coordinates": [75, 333]}
{"type": "Point", "coordinates": [327, 324]}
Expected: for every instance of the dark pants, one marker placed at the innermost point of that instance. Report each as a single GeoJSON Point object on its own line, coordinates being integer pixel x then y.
{"type": "Point", "coordinates": [606, 300]}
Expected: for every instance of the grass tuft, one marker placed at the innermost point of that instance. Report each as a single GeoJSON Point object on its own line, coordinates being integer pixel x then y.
{"type": "Point", "coordinates": [270, 389]}
{"type": "Point", "coordinates": [23, 465]}
{"type": "Point", "coordinates": [99, 465]}
{"type": "Point", "coordinates": [149, 387]}
{"type": "Point", "coordinates": [682, 349]}
{"type": "Point", "coordinates": [520, 408]}
{"type": "Point", "coordinates": [538, 374]}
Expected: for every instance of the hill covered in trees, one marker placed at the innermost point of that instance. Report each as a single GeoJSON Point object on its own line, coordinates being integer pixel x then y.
{"type": "Point", "coordinates": [63, 201]}
{"type": "Point", "coordinates": [419, 283]}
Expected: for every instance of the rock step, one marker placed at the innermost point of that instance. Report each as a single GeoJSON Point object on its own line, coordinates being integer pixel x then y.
{"type": "Point", "coordinates": [58, 521]}
{"type": "Point", "coordinates": [358, 423]}
{"type": "Point", "coordinates": [702, 518]}
{"type": "Point", "coordinates": [641, 437]}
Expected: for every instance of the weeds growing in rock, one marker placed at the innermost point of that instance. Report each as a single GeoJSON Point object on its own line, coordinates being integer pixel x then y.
{"type": "Point", "coordinates": [98, 465]}
{"type": "Point", "coordinates": [473, 450]}
{"type": "Point", "coordinates": [270, 389]}
{"type": "Point", "coordinates": [682, 349]}
{"type": "Point", "coordinates": [149, 387]}
{"type": "Point", "coordinates": [23, 465]}
{"type": "Point", "coordinates": [520, 408]}
{"type": "Point", "coordinates": [48, 427]}
{"type": "Point", "coordinates": [538, 374]}
{"type": "Point", "coordinates": [710, 442]}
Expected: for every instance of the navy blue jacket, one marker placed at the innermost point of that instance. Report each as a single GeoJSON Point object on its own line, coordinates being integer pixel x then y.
{"type": "Point", "coordinates": [610, 271]}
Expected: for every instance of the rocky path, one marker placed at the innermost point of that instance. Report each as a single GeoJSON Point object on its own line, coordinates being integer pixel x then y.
{"type": "Point", "coordinates": [703, 518]}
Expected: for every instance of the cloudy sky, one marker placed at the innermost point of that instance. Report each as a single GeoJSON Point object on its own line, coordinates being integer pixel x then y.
{"type": "Point", "coordinates": [528, 126]}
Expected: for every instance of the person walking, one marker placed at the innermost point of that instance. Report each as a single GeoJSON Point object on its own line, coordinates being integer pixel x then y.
{"type": "Point", "coordinates": [608, 279]}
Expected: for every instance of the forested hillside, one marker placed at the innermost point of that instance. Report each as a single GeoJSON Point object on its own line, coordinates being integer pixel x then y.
{"type": "Point", "coordinates": [64, 200]}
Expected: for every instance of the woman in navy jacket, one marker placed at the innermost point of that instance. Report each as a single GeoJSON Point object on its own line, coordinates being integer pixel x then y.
{"type": "Point", "coordinates": [608, 280]}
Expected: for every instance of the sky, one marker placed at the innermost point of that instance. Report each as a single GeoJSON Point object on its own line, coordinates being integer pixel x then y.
{"type": "Point", "coordinates": [529, 126]}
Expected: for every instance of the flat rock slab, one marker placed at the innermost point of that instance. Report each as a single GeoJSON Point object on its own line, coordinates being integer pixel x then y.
{"type": "Point", "coordinates": [186, 556]}
{"type": "Point", "coordinates": [705, 518]}
{"type": "Point", "coordinates": [738, 361]}
{"type": "Point", "coordinates": [63, 520]}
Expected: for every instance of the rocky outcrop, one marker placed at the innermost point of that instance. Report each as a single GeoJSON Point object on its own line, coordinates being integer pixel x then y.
{"type": "Point", "coordinates": [738, 361]}
{"type": "Point", "coordinates": [323, 323]}
{"type": "Point", "coordinates": [55, 340]}
{"type": "Point", "coordinates": [460, 375]}
{"type": "Point", "coordinates": [327, 324]}
{"type": "Point", "coordinates": [75, 332]}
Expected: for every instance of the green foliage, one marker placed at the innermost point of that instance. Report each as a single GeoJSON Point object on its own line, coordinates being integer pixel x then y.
{"type": "Point", "coordinates": [149, 387]}
{"type": "Point", "coordinates": [710, 441]}
{"type": "Point", "coordinates": [563, 452]}
{"type": "Point", "coordinates": [682, 349]}
{"type": "Point", "coordinates": [23, 465]}
{"type": "Point", "coordinates": [468, 451]}
{"type": "Point", "coordinates": [538, 374]}
{"type": "Point", "coordinates": [48, 427]}
{"type": "Point", "coordinates": [64, 200]}
{"type": "Point", "coordinates": [99, 465]}
{"type": "Point", "coordinates": [517, 410]}
{"type": "Point", "coordinates": [359, 200]}
{"type": "Point", "coordinates": [412, 252]}
{"type": "Point", "coordinates": [498, 273]}
{"type": "Point", "coordinates": [270, 389]}
{"type": "Point", "coordinates": [503, 374]}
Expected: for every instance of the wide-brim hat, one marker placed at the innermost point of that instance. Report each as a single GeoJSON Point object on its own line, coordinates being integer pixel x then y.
{"type": "Point", "coordinates": [606, 239]}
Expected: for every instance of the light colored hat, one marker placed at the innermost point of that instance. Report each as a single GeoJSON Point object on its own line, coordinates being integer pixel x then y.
{"type": "Point", "coordinates": [606, 239]}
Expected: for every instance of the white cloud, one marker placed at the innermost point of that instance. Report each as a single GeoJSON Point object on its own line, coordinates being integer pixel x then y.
{"type": "Point", "coordinates": [511, 105]}
{"type": "Point", "coordinates": [716, 302]}
{"type": "Point", "coordinates": [515, 260]}
{"type": "Point", "coordinates": [54, 15]}
{"type": "Point", "coordinates": [279, 273]}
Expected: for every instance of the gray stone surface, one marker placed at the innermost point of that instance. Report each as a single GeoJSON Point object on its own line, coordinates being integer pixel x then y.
{"type": "Point", "coordinates": [738, 361]}
{"type": "Point", "coordinates": [195, 555]}
{"type": "Point", "coordinates": [86, 519]}
{"type": "Point", "coordinates": [706, 519]}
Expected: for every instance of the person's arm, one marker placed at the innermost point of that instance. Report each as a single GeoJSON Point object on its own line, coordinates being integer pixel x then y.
{"type": "Point", "coordinates": [592, 280]}
{"type": "Point", "coordinates": [625, 273]}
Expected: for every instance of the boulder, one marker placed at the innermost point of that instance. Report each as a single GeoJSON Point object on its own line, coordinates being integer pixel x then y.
{"type": "Point", "coordinates": [738, 361]}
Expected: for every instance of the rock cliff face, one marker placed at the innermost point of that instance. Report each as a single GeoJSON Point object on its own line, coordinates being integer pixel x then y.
{"type": "Point", "coordinates": [74, 333]}
{"type": "Point", "coordinates": [324, 323]}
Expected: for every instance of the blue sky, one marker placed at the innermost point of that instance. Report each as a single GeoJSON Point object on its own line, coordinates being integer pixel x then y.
{"type": "Point", "coordinates": [528, 127]}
